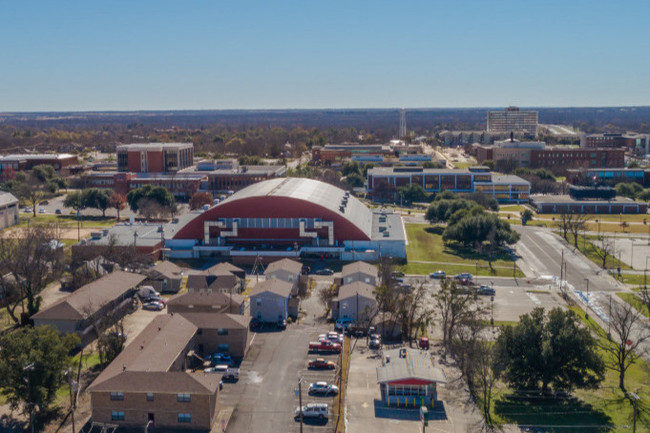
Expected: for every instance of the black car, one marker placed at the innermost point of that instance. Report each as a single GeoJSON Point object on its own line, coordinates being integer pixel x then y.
{"type": "Point", "coordinates": [486, 290]}
{"type": "Point", "coordinates": [326, 271]}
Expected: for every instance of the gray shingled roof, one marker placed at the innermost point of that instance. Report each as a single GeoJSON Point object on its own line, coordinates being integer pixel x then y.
{"type": "Point", "coordinates": [279, 287]}
{"type": "Point", "coordinates": [203, 297]}
{"type": "Point", "coordinates": [218, 320]}
{"type": "Point", "coordinates": [416, 365]}
{"type": "Point", "coordinates": [350, 290]}
{"type": "Point", "coordinates": [284, 264]}
{"type": "Point", "coordinates": [91, 297]}
{"type": "Point", "coordinates": [167, 269]}
{"type": "Point", "coordinates": [353, 268]}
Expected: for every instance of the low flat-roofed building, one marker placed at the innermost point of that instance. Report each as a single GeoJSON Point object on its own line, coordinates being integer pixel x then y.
{"type": "Point", "coordinates": [566, 204]}
{"type": "Point", "coordinates": [608, 176]}
{"type": "Point", "coordinates": [62, 163]}
{"type": "Point", "coordinates": [8, 210]}
{"type": "Point", "coordinates": [108, 297]}
{"type": "Point", "coordinates": [149, 381]}
{"type": "Point", "coordinates": [408, 378]}
{"type": "Point", "coordinates": [384, 183]}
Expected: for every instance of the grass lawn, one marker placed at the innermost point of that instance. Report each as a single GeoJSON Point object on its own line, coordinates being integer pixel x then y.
{"type": "Point", "coordinates": [589, 247]}
{"type": "Point", "coordinates": [66, 220]}
{"type": "Point", "coordinates": [601, 410]}
{"type": "Point", "coordinates": [512, 208]}
{"type": "Point", "coordinates": [426, 247]}
{"type": "Point", "coordinates": [633, 279]}
{"type": "Point", "coordinates": [634, 301]}
{"type": "Point", "coordinates": [464, 164]}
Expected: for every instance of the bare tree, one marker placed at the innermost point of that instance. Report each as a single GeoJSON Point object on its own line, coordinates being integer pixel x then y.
{"type": "Point", "coordinates": [577, 224]}
{"type": "Point", "coordinates": [645, 297]}
{"type": "Point", "coordinates": [629, 335]}
{"type": "Point", "coordinates": [326, 296]}
{"type": "Point", "coordinates": [414, 315]}
{"type": "Point", "coordinates": [31, 259]}
{"type": "Point", "coordinates": [487, 370]}
{"type": "Point", "coordinates": [604, 249]}
{"type": "Point", "coordinates": [107, 323]}
{"type": "Point", "coordinates": [564, 224]}
{"type": "Point", "coordinates": [454, 307]}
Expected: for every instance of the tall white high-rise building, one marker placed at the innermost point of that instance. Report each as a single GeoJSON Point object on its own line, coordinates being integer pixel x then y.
{"type": "Point", "coordinates": [512, 119]}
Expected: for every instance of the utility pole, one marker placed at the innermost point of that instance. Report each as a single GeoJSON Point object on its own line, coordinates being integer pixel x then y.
{"type": "Point", "coordinates": [28, 369]}
{"type": "Point", "coordinates": [587, 306]}
{"type": "Point", "coordinates": [635, 401]}
{"type": "Point", "coordinates": [300, 400]}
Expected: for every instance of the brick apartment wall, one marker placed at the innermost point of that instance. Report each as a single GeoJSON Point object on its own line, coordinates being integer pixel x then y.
{"type": "Point", "coordinates": [237, 341]}
{"type": "Point", "coordinates": [164, 407]}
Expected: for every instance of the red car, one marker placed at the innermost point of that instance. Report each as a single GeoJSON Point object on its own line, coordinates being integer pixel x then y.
{"type": "Point", "coordinates": [322, 363]}
{"type": "Point", "coordinates": [325, 346]}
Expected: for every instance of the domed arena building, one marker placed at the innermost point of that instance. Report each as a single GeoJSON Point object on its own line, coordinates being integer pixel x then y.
{"type": "Point", "coordinates": [289, 217]}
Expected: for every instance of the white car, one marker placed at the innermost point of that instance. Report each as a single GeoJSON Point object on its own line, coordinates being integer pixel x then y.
{"type": "Point", "coordinates": [41, 210]}
{"type": "Point", "coordinates": [323, 388]}
{"type": "Point", "coordinates": [335, 337]}
{"type": "Point", "coordinates": [313, 410]}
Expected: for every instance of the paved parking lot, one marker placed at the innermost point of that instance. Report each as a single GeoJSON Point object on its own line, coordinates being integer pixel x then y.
{"type": "Point", "coordinates": [264, 398]}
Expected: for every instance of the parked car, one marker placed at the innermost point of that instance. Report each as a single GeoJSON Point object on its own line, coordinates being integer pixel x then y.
{"type": "Point", "coordinates": [486, 290]}
{"type": "Point", "coordinates": [343, 323]}
{"type": "Point", "coordinates": [375, 341]}
{"type": "Point", "coordinates": [41, 210]}
{"type": "Point", "coordinates": [147, 291]}
{"type": "Point", "coordinates": [464, 276]}
{"type": "Point", "coordinates": [58, 212]}
{"type": "Point", "coordinates": [221, 359]}
{"type": "Point", "coordinates": [155, 299]}
{"type": "Point", "coordinates": [153, 306]}
{"type": "Point", "coordinates": [424, 343]}
{"type": "Point", "coordinates": [323, 388]}
{"type": "Point", "coordinates": [397, 274]}
{"type": "Point", "coordinates": [335, 336]}
{"type": "Point", "coordinates": [28, 210]}
{"type": "Point", "coordinates": [326, 271]}
{"type": "Point", "coordinates": [325, 346]}
{"type": "Point", "coordinates": [438, 275]}
{"type": "Point", "coordinates": [321, 363]}
{"type": "Point", "coordinates": [312, 410]}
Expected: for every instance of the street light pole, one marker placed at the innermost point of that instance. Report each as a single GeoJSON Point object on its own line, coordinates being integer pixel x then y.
{"type": "Point", "coordinates": [28, 369]}
{"type": "Point", "coordinates": [587, 307]}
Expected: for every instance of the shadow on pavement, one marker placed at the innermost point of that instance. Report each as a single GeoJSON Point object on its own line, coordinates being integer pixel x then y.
{"type": "Point", "coordinates": [437, 412]}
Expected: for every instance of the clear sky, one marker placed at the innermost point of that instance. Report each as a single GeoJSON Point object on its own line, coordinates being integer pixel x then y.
{"type": "Point", "coordinates": [217, 54]}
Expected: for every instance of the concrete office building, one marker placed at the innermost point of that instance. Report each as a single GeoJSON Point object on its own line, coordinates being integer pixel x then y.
{"type": "Point", "coordinates": [512, 119]}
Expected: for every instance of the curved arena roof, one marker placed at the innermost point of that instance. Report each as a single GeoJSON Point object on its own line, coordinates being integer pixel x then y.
{"type": "Point", "coordinates": [290, 198]}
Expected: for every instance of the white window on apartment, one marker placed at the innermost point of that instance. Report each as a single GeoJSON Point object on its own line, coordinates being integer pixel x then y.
{"type": "Point", "coordinates": [185, 417]}
{"type": "Point", "coordinates": [150, 396]}
{"type": "Point", "coordinates": [259, 302]}
{"type": "Point", "coordinates": [117, 416]}
{"type": "Point", "coordinates": [117, 396]}
{"type": "Point", "coordinates": [222, 331]}
{"type": "Point", "coordinates": [183, 397]}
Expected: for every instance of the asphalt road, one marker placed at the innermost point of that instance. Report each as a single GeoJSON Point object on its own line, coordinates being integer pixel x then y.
{"type": "Point", "coordinates": [541, 251]}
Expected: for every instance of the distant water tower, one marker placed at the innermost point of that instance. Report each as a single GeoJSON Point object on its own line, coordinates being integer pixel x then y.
{"type": "Point", "coordinates": [402, 123]}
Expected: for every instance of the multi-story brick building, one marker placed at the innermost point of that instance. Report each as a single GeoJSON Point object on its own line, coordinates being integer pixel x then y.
{"type": "Point", "coordinates": [510, 154]}
{"type": "Point", "coordinates": [631, 142]}
{"type": "Point", "coordinates": [154, 157]}
{"type": "Point", "coordinates": [153, 382]}
{"type": "Point", "coordinates": [512, 119]}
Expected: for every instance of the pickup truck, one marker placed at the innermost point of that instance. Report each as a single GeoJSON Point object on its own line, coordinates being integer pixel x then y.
{"type": "Point", "coordinates": [324, 346]}
{"type": "Point", "coordinates": [228, 373]}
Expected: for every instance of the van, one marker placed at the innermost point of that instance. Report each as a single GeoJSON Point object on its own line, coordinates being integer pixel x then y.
{"type": "Point", "coordinates": [147, 292]}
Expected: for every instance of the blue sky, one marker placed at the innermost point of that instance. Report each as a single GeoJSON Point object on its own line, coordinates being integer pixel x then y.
{"type": "Point", "coordinates": [133, 55]}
